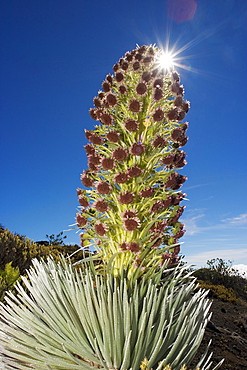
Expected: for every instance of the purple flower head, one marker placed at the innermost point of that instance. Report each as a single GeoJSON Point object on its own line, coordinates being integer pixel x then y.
{"type": "Point", "coordinates": [156, 207]}
{"type": "Point", "coordinates": [83, 201]}
{"type": "Point", "coordinates": [124, 65]}
{"type": "Point", "coordinates": [175, 76]}
{"type": "Point", "coordinates": [173, 114]}
{"type": "Point", "coordinates": [146, 76]}
{"type": "Point", "coordinates": [176, 199]}
{"type": "Point", "coordinates": [181, 115]}
{"type": "Point", "coordinates": [176, 250]}
{"type": "Point", "coordinates": [90, 149]}
{"type": "Point", "coordinates": [166, 202]}
{"type": "Point", "coordinates": [137, 149]}
{"type": "Point", "coordinates": [128, 57]}
{"type": "Point", "coordinates": [121, 178]}
{"type": "Point", "coordinates": [131, 224]}
{"type": "Point", "coordinates": [92, 113]}
{"type": "Point", "coordinates": [141, 88]}
{"type": "Point", "coordinates": [147, 61]}
{"type": "Point", "coordinates": [134, 171]}
{"type": "Point", "coordinates": [159, 141]}
{"type": "Point", "coordinates": [111, 99]}
{"type": "Point", "coordinates": [119, 76]}
{"type": "Point", "coordinates": [115, 67]}
{"type": "Point", "coordinates": [177, 89]}
{"type": "Point", "coordinates": [129, 214]}
{"type": "Point", "coordinates": [168, 159]}
{"type": "Point", "coordinates": [158, 94]}
{"type": "Point", "coordinates": [97, 102]}
{"type": "Point", "coordinates": [107, 163]}
{"type": "Point", "coordinates": [179, 234]}
{"type": "Point", "coordinates": [178, 101]}
{"type": "Point", "coordinates": [147, 193]}
{"type": "Point", "coordinates": [122, 89]}
{"type": "Point", "coordinates": [158, 82]}
{"type": "Point", "coordinates": [126, 198]}
{"type": "Point", "coordinates": [113, 136]}
{"type": "Point", "coordinates": [138, 56]}
{"type": "Point", "coordinates": [106, 119]}
{"type": "Point", "coordinates": [185, 106]}
{"type": "Point", "coordinates": [106, 86]}
{"type": "Point", "coordinates": [95, 139]}
{"type": "Point", "coordinates": [123, 246]}
{"type": "Point", "coordinates": [109, 79]}
{"type": "Point", "coordinates": [94, 159]}
{"type": "Point", "coordinates": [101, 205]}
{"type": "Point", "coordinates": [177, 134]}
{"type": "Point", "coordinates": [179, 160]}
{"type": "Point", "coordinates": [136, 66]}
{"type": "Point", "coordinates": [134, 247]}
{"type": "Point", "coordinates": [100, 228]}
{"type": "Point", "coordinates": [120, 154]}
{"type": "Point", "coordinates": [135, 106]}
{"type": "Point", "coordinates": [87, 181]}
{"type": "Point", "coordinates": [103, 188]}
{"type": "Point", "coordinates": [131, 125]}
{"type": "Point", "coordinates": [81, 220]}
{"type": "Point", "coordinates": [158, 115]}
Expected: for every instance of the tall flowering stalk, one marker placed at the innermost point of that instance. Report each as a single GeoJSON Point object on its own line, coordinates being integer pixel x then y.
{"type": "Point", "coordinates": [67, 318]}
{"type": "Point", "coordinates": [130, 208]}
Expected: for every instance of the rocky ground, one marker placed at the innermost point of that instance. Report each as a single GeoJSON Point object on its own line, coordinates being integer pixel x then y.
{"type": "Point", "coordinates": [228, 331]}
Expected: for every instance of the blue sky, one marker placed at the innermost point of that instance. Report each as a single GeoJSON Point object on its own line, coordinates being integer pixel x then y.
{"type": "Point", "coordinates": [54, 57]}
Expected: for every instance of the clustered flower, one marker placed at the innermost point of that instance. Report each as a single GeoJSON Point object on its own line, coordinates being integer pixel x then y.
{"type": "Point", "coordinates": [81, 220]}
{"type": "Point", "coordinates": [87, 181]}
{"type": "Point", "coordinates": [120, 178]}
{"type": "Point", "coordinates": [100, 228]}
{"type": "Point", "coordinates": [83, 201]}
{"type": "Point", "coordinates": [135, 106]}
{"type": "Point", "coordinates": [158, 115]}
{"type": "Point", "coordinates": [103, 188]}
{"type": "Point", "coordinates": [137, 149]}
{"type": "Point", "coordinates": [101, 205]}
{"type": "Point", "coordinates": [120, 154]}
{"type": "Point", "coordinates": [134, 171]}
{"type": "Point", "coordinates": [113, 136]}
{"type": "Point", "coordinates": [133, 155]}
{"type": "Point", "coordinates": [126, 198]}
{"type": "Point", "coordinates": [131, 125]}
{"type": "Point", "coordinates": [107, 163]}
{"type": "Point", "coordinates": [133, 247]}
{"type": "Point", "coordinates": [130, 224]}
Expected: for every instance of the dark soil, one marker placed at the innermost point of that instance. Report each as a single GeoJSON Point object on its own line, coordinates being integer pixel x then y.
{"type": "Point", "coordinates": [228, 331]}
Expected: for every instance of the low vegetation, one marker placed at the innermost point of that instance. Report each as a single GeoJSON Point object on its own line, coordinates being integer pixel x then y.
{"type": "Point", "coordinates": [222, 280]}
{"type": "Point", "coordinates": [17, 253]}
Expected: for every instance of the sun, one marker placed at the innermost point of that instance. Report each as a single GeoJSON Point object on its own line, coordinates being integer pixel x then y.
{"type": "Point", "coordinates": [166, 60]}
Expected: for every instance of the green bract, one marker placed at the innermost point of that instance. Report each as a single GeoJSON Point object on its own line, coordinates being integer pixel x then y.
{"type": "Point", "coordinates": [71, 319]}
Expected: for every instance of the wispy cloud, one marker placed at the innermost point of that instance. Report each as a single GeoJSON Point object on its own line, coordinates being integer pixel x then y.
{"type": "Point", "coordinates": [194, 226]}
{"type": "Point", "coordinates": [235, 255]}
{"type": "Point", "coordinates": [194, 186]}
{"type": "Point", "coordinates": [240, 220]}
{"type": "Point", "coordinates": [191, 225]}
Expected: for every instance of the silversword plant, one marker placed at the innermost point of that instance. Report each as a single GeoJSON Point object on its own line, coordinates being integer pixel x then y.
{"type": "Point", "coordinates": [137, 307]}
